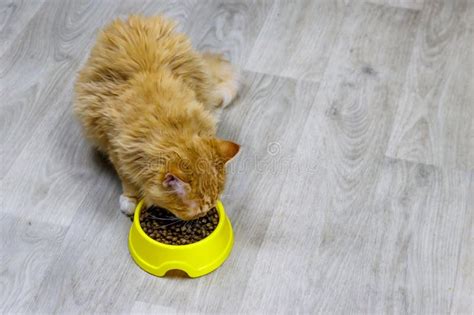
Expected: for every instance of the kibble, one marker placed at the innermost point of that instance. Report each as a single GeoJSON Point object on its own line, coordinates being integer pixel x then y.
{"type": "Point", "coordinates": [162, 226]}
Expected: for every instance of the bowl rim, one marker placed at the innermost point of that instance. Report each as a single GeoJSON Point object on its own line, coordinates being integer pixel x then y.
{"type": "Point", "coordinates": [220, 224]}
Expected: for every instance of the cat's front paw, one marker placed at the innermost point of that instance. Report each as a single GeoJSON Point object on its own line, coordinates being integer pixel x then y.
{"type": "Point", "coordinates": [127, 205]}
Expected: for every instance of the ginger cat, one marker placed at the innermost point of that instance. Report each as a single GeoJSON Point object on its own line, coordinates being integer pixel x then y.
{"type": "Point", "coordinates": [148, 101]}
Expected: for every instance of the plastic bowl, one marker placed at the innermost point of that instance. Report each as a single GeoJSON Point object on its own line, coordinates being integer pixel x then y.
{"type": "Point", "coordinates": [196, 259]}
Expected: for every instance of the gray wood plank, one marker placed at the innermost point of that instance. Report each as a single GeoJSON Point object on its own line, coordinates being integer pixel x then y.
{"type": "Point", "coordinates": [462, 302]}
{"type": "Point", "coordinates": [407, 4]}
{"type": "Point", "coordinates": [27, 249]}
{"type": "Point", "coordinates": [393, 249]}
{"type": "Point", "coordinates": [55, 162]}
{"type": "Point", "coordinates": [37, 71]}
{"type": "Point", "coordinates": [94, 272]}
{"type": "Point", "coordinates": [179, 11]}
{"type": "Point", "coordinates": [297, 38]}
{"type": "Point", "coordinates": [421, 226]}
{"type": "Point", "coordinates": [323, 210]}
{"type": "Point", "coordinates": [323, 220]}
{"type": "Point", "coordinates": [147, 308]}
{"type": "Point", "coordinates": [269, 108]}
{"type": "Point", "coordinates": [435, 120]}
{"type": "Point", "coordinates": [228, 27]}
{"type": "Point", "coordinates": [14, 17]}
{"type": "Point", "coordinates": [54, 173]}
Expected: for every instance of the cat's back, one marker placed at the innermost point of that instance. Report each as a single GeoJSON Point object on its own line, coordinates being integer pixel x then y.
{"type": "Point", "coordinates": [126, 52]}
{"type": "Point", "coordinates": [137, 44]}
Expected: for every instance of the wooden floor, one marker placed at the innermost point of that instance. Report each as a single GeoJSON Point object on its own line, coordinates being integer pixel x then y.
{"type": "Point", "coordinates": [354, 192]}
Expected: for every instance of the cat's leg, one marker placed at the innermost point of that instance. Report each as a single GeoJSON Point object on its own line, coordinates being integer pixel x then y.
{"type": "Point", "coordinates": [128, 198]}
{"type": "Point", "coordinates": [224, 76]}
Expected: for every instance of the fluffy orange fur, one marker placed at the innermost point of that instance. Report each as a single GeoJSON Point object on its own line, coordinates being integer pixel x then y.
{"type": "Point", "coordinates": [147, 100]}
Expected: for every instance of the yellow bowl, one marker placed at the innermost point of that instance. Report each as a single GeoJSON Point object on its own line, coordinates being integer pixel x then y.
{"type": "Point", "coordinates": [196, 259]}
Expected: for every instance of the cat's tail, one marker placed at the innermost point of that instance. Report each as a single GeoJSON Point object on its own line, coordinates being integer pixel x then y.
{"type": "Point", "coordinates": [225, 77]}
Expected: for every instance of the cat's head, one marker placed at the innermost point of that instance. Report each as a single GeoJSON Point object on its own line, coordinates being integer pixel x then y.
{"type": "Point", "coordinates": [193, 177]}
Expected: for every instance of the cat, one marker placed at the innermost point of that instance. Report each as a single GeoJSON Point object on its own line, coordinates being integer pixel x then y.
{"type": "Point", "coordinates": [149, 101]}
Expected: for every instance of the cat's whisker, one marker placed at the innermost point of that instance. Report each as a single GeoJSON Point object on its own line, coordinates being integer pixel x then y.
{"type": "Point", "coordinates": [163, 218]}
{"type": "Point", "coordinates": [169, 224]}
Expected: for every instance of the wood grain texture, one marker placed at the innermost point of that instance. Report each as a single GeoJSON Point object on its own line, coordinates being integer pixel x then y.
{"type": "Point", "coordinates": [51, 165]}
{"type": "Point", "coordinates": [14, 16]}
{"type": "Point", "coordinates": [324, 221]}
{"type": "Point", "coordinates": [435, 118]}
{"type": "Point", "coordinates": [146, 308]}
{"type": "Point", "coordinates": [37, 71]}
{"type": "Point", "coordinates": [48, 159]}
{"type": "Point", "coordinates": [300, 47]}
{"type": "Point", "coordinates": [27, 248]}
{"type": "Point", "coordinates": [234, 28]}
{"type": "Point", "coordinates": [178, 10]}
{"type": "Point", "coordinates": [424, 219]}
{"type": "Point", "coordinates": [94, 272]}
{"type": "Point", "coordinates": [393, 249]}
{"type": "Point", "coordinates": [461, 301]}
{"type": "Point", "coordinates": [318, 230]}
{"type": "Point", "coordinates": [407, 4]}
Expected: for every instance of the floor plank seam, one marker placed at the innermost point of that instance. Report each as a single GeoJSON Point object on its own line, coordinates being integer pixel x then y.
{"type": "Point", "coordinates": [435, 166]}
{"type": "Point", "coordinates": [278, 76]}
{"type": "Point", "coordinates": [391, 6]}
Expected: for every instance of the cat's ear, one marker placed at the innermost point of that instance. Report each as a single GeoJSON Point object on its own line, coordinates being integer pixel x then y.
{"type": "Point", "coordinates": [175, 184]}
{"type": "Point", "coordinates": [227, 150]}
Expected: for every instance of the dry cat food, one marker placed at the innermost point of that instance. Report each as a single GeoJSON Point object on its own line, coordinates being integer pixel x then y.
{"type": "Point", "coordinates": [162, 226]}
